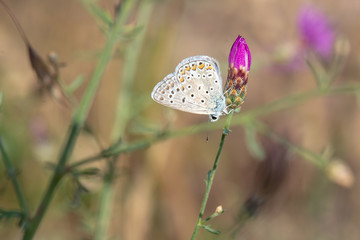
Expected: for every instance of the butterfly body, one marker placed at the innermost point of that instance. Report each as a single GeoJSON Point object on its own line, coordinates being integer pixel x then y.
{"type": "Point", "coordinates": [195, 87]}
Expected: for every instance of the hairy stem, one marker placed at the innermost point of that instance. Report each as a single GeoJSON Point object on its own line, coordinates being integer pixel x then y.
{"type": "Point", "coordinates": [211, 176]}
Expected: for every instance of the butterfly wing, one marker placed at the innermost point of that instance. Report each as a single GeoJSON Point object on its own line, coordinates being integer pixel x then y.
{"type": "Point", "coordinates": [196, 87]}
{"type": "Point", "coordinates": [169, 92]}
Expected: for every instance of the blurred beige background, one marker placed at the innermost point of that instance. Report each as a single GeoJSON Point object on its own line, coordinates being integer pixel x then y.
{"type": "Point", "coordinates": [159, 190]}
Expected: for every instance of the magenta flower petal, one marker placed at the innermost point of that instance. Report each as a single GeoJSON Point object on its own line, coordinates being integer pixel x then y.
{"type": "Point", "coordinates": [316, 31]}
{"type": "Point", "coordinates": [240, 54]}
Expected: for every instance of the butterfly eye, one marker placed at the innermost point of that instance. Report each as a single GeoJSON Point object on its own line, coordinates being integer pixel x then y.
{"type": "Point", "coordinates": [213, 118]}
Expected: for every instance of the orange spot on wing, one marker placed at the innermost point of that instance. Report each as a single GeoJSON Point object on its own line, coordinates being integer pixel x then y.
{"type": "Point", "coordinates": [181, 79]}
{"type": "Point", "coordinates": [194, 67]}
{"type": "Point", "coordinates": [201, 66]}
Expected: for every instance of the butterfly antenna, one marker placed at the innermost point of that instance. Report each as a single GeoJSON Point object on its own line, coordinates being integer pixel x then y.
{"type": "Point", "coordinates": [17, 24]}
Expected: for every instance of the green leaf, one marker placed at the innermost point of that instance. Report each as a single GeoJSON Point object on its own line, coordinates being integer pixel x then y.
{"type": "Point", "coordinates": [100, 15]}
{"type": "Point", "coordinates": [75, 84]}
{"type": "Point", "coordinates": [7, 215]}
{"type": "Point", "coordinates": [131, 31]}
{"type": "Point", "coordinates": [89, 172]}
{"type": "Point", "coordinates": [252, 143]}
{"type": "Point", "coordinates": [318, 71]}
{"type": "Point", "coordinates": [211, 230]}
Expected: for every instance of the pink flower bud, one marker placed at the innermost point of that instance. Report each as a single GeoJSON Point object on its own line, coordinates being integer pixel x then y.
{"type": "Point", "coordinates": [240, 54]}
{"type": "Point", "coordinates": [239, 66]}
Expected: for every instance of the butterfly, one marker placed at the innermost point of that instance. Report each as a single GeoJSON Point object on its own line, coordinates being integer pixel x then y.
{"type": "Point", "coordinates": [195, 87]}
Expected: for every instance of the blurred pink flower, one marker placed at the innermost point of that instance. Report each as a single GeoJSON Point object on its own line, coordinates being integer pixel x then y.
{"type": "Point", "coordinates": [316, 31]}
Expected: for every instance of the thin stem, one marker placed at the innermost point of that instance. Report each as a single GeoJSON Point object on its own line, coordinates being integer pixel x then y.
{"type": "Point", "coordinates": [12, 175]}
{"type": "Point", "coordinates": [16, 22]}
{"type": "Point", "coordinates": [305, 153]}
{"type": "Point", "coordinates": [78, 120]}
{"type": "Point", "coordinates": [240, 119]}
{"type": "Point", "coordinates": [105, 206]}
{"type": "Point", "coordinates": [210, 179]}
{"type": "Point", "coordinates": [295, 99]}
{"type": "Point", "coordinates": [130, 69]}
{"type": "Point", "coordinates": [123, 113]}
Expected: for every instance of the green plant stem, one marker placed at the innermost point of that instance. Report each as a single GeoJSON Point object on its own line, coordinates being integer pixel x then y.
{"type": "Point", "coordinates": [130, 69]}
{"type": "Point", "coordinates": [295, 99]}
{"type": "Point", "coordinates": [305, 153]}
{"type": "Point", "coordinates": [240, 119]}
{"type": "Point", "coordinates": [12, 175]}
{"type": "Point", "coordinates": [105, 204]}
{"type": "Point", "coordinates": [79, 119]}
{"type": "Point", "coordinates": [123, 113]}
{"type": "Point", "coordinates": [211, 176]}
